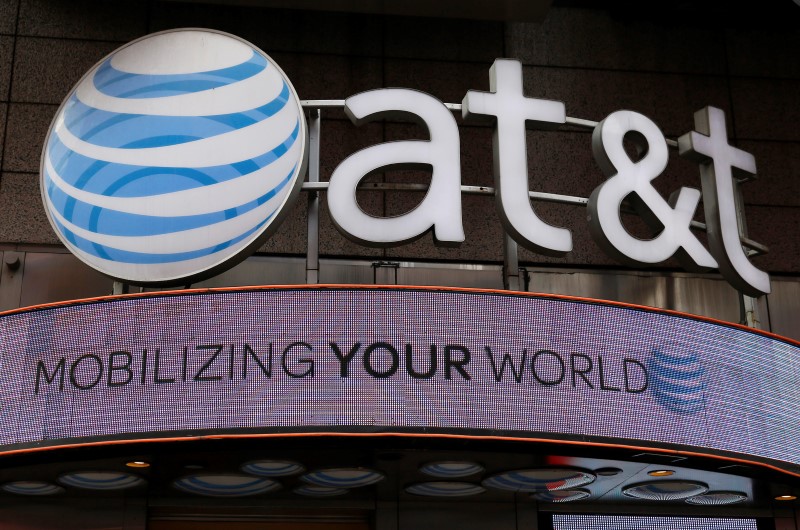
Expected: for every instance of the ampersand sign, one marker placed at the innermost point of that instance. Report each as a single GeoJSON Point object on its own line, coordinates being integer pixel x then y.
{"type": "Point", "coordinates": [627, 176]}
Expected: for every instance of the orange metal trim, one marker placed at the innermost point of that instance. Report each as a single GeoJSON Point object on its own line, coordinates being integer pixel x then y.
{"type": "Point", "coordinates": [362, 287]}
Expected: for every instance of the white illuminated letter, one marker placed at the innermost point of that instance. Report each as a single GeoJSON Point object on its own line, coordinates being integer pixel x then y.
{"type": "Point", "coordinates": [626, 177]}
{"type": "Point", "coordinates": [507, 103]}
{"type": "Point", "coordinates": [441, 207]}
{"type": "Point", "coordinates": [708, 146]}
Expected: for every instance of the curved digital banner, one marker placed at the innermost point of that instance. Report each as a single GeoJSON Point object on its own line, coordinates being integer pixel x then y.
{"type": "Point", "coordinates": [342, 359]}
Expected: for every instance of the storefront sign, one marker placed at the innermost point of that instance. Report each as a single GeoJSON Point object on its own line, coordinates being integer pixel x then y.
{"type": "Point", "coordinates": [370, 360]}
{"type": "Point", "coordinates": [178, 154]}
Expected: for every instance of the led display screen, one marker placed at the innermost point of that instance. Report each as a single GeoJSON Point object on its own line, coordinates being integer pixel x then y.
{"type": "Point", "coordinates": [282, 360]}
{"type": "Point", "coordinates": [632, 522]}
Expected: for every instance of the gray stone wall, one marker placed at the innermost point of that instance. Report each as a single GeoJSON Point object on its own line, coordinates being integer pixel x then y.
{"type": "Point", "coordinates": [592, 59]}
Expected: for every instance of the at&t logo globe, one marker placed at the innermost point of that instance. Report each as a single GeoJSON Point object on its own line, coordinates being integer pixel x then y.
{"type": "Point", "coordinates": [174, 157]}
{"type": "Point", "coordinates": [677, 379]}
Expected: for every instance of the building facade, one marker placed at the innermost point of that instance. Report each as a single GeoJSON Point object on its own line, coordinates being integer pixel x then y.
{"type": "Point", "coordinates": [663, 63]}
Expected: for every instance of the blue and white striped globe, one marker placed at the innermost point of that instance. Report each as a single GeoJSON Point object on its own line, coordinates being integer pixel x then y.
{"type": "Point", "coordinates": [174, 157]}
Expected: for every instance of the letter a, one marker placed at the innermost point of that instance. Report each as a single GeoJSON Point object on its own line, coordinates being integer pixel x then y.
{"type": "Point", "coordinates": [441, 207]}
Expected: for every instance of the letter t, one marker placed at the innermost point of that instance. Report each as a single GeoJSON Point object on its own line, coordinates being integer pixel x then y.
{"type": "Point", "coordinates": [511, 109]}
{"type": "Point", "coordinates": [708, 145]}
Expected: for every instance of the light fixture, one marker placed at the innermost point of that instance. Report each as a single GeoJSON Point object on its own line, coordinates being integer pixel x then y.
{"type": "Point", "coordinates": [101, 480]}
{"type": "Point", "coordinates": [451, 469]}
{"type": "Point", "coordinates": [138, 464]}
{"type": "Point", "coordinates": [445, 489]}
{"type": "Point", "coordinates": [561, 495]}
{"type": "Point", "coordinates": [786, 498]}
{"type": "Point", "coordinates": [32, 487]}
{"type": "Point", "coordinates": [344, 477]}
{"type": "Point", "coordinates": [540, 479]}
{"type": "Point", "coordinates": [225, 485]}
{"type": "Point", "coordinates": [665, 490]}
{"type": "Point", "coordinates": [273, 468]}
{"type": "Point", "coordinates": [661, 473]}
{"type": "Point", "coordinates": [718, 498]}
{"type": "Point", "coordinates": [319, 491]}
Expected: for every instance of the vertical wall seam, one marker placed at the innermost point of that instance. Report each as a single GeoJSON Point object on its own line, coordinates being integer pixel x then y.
{"type": "Point", "coordinates": [10, 86]}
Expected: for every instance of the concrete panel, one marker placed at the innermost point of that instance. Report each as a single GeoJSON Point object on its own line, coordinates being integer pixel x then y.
{"type": "Point", "coordinates": [3, 115]}
{"type": "Point", "coordinates": [8, 16]}
{"type": "Point", "coordinates": [27, 128]}
{"type": "Point", "coordinates": [767, 52]}
{"type": "Point", "coordinates": [778, 167]}
{"type": "Point", "coordinates": [562, 162]}
{"type": "Point", "coordinates": [329, 76]}
{"type": "Point", "coordinates": [584, 250]}
{"type": "Point", "coordinates": [482, 228]}
{"type": "Point", "coordinates": [445, 80]}
{"type": "Point", "coordinates": [45, 70]}
{"type": "Point", "coordinates": [275, 30]}
{"type": "Point", "coordinates": [290, 235]}
{"type": "Point", "coordinates": [339, 139]}
{"type": "Point", "coordinates": [6, 47]}
{"type": "Point", "coordinates": [670, 100]}
{"type": "Point", "coordinates": [594, 38]}
{"type": "Point", "coordinates": [779, 229]}
{"type": "Point", "coordinates": [22, 214]}
{"type": "Point", "coordinates": [766, 109]}
{"type": "Point", "coordinates": [443, 39]}
{"type": "Point", "coordinates": [121, 20]}
{"type": "Point", "coordinates": [333, 243]}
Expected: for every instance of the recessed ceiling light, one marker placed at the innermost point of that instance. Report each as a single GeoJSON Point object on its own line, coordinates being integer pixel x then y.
{"type": "Point", "coordinates": [561, 495]}
{"type": "Point", "coordinates": [665, 490]}
{"type": "Point", "coordinates": [540, 479]}
{"type": "Point", "coordinates": [451, 469]}
{"type": "Point", "coordinates": [352, 477]}
{"type": "Point", "coordinates": [445, 489]}
{"type": "Point", "coordinates": [661, 473]}
{"type": "Point", "coordinates": [32, 487]}
{"type": "Point", "coordinates": [718, 498]}
{"type": "Point", "coordinates": [273, 468]}
{"type": "Point", "coordinates": [786, 498]}
{"type": "Point", "coordinates": [101, 480]}
{"type": "Point", "coordinates": [225, 485]}
{"type": "Point", "coordinates": [137, 463]}
{"type": "Point", "coordinates": [319, 491]}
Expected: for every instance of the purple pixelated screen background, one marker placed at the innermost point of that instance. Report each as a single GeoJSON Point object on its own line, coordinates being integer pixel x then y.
{"type": "Point", "coordinates": [333, 359]}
